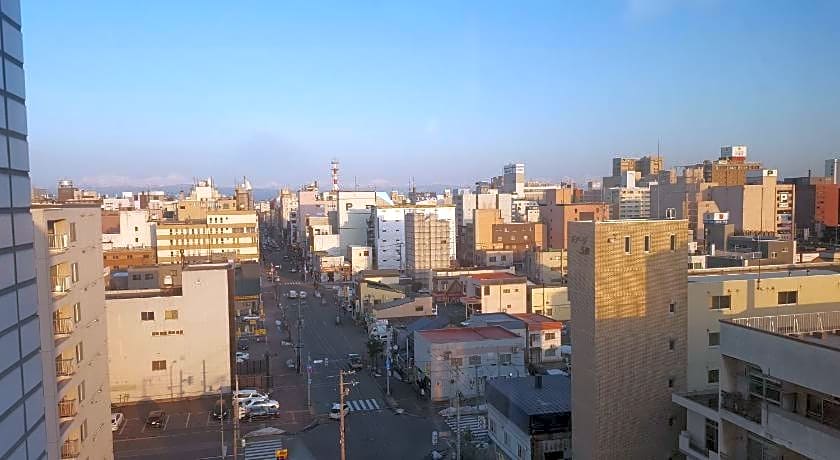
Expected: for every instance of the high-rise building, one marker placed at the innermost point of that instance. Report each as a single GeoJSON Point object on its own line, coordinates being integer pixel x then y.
{"type": "Point", "coordinates": [514, 179]}
{"type": "Point", "coordinates": [71, 306]}
{"type": "Point", "coordinates": [221, 235]}
{"type": "Point", "coordinates": [388, 233]}
{"type": "Point", "coordinates": [427, 242]}
{"type": "Point", "coordinates": [557, 217]}
{"type": "Point", "coordinates": [627, 286]}
{"type": "Point", "coordinates": [22, 424]}
{"type": "Point", "coordinates": [832, 170]}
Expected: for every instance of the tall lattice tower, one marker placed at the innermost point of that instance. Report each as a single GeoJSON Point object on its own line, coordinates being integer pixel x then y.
{"type": "Point", "coordinates": [334, 169]}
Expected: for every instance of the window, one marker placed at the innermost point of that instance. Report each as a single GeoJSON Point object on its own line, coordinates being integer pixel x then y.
{"type": "Point", "coordinates": [670, 382]}
{"type": "Point", "coordinates": [159, 365]}
{"type": "Point", "coordinates": [170, 314]}
{"type": "Point", "coordinates": [136, 229]}
{"type": "Point", "coordinates": [74, 272]}
{"type": "Point", "coordinates": [505, 291]}
{"type": "Point", "coordinates": [549, 311]}
{"type": "Point", "coordinates": [418, 308]}
{"type": "Point", "coordinates": [135, 277]}
{"type": "Point", "coordinates": [80, 391]}
{"type": "Point", "coordinates": [671, 344]}
{"type": "Point", "coordinates": [711, 435]}
{"type": "Point", "coordinates": [787, 297]}
{"type": "Point", "coordinates": [492, 425]}
{"type": "Point", "coordinates": [647, 243]}
{"type": "Point", "coordinates": [672, 307]}
{"type": "Point", "coordinates": [80, 352]}
{"type": "Point", "coordinates": [504, 359]}
{"type": "Point", "coordinates": [486, 290]}
{"type": "Point", "coordinates": [77, 312]}
{"type": "Point", "coordinates": [627, 244]}
{"type": "Point", "coordinates": [551, 352]}
{"type": "Point", "coordinates": [673, 242]}
{"type": "Point", "coordinates": [148, 276]}
{"type": "Point", "coordinates": [520, 451]}
{"type": "Point", "coordinates": [714, 339]}
{"type": "Point", "coordinates": [83, 431]}
{"type": "Point", "coordinates": [475, 360]}
{"type": "Point", "coordinates": [713, 376]}
{"type": "Point", "coordinates": [492, 258]}
{"type": "Point", "coordinates": [550, 335]}
{"type": "Point", "coordinates": [72, 232]}
{"type": "Point", "coordinates": [147, 316]}
{"type": "Point", "coordinates": [721, 302]}
{"type": "Point", "coordinates": [456, 362]}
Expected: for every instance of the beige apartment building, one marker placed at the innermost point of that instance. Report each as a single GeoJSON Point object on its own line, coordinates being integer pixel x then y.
{"type": "Point", "coordinates": [172, 342]}
{"type": "Point", "coordinates": [223, 235]}
{"type": "Point", "coordinates": [427, 242]}
{"type": "Point", "coordinates": [731, 294]}
{"type": "Point", "coordinates": [497, 292]}
{"type": "Point", "coordinates": [627, 284]}
{"type": "Point", "coordinates": [71, 307]}
{"type": "Point", "coordinates": [762, 206]}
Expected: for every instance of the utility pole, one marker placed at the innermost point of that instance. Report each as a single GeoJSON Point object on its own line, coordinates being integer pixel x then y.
{"type": "Point", "coordinates": [299, 346]}
{"type": "Point", "coordinates": [388, 365]}
{"type": "Point", "coordinates": [458, 424]}
{"type": "Point", "coordinates": [236, 422]}
{"type": "Point", "coordinates": [222, 421]}
{"type": "Point", "coordinates": [308, 381]}
{"type": "Point", "coordinates": [341, 391]}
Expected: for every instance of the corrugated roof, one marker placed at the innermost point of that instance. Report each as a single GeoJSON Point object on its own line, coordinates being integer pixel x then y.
{"type": "Point", "coordinates": [538, 322]}
{"type": "Point", "coordinates": [467, 334]}
{"type": "Point", "coordinates": [554, 396]}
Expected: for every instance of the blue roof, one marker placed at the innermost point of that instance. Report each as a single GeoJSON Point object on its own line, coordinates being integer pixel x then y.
{"type": "Point", "coordinates": [554, 396]}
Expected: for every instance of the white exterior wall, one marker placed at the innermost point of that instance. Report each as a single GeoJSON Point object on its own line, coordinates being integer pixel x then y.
{"type": "Point", "coordinates": [507, 436]}
{"type": "Point", "coordinates": [361, 258]}
{"type": "Point", "coordinates": [197, 361]}
{"type": "Point", "coordinates": [515, 300]}
{"type": "Point", "coordinates": [327, 243]}
{"type": "Point", "coordinates": [389, 232]}
{"type": "Point", "coordinates": [353, 213]}
{"type": "Point", "coordinates": [468, 378]}
{"type": "Point", "coordinates": [135, 231]}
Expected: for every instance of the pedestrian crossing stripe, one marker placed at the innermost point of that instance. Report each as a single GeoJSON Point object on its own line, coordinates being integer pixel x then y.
{"type": "Point", "coordinates": [361, 405]}
{"type": "Point", "coordinates": [475, 424]}
{"type": "Point", "coordinates": [262, 450]}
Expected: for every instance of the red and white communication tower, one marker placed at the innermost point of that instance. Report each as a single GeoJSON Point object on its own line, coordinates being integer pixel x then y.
{"type": "Point", "coordinates": [334, 169]}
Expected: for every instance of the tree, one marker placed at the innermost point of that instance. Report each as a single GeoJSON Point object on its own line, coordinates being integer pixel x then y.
{"type": "Point", "coordinates": [374, 348]}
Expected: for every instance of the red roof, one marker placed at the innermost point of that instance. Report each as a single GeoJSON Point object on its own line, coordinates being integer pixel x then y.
{"type": "Point", "coordinates": [537, 322]}
{"type": "Point", "coordinates": [467, 334]}
{"type": "Point", "coordinates": [497, 276]}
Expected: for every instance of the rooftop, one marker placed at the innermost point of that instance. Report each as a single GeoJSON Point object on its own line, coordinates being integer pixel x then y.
{"type": "Point", "coordinates": [538, 322]}
{"type": "Point", "coordinates": [497, 276]}
{"type": "Point", "coordinates": [554, 395]}
{"type": "Point", "coordinates": [467, 334]}
{"type": "Point", "coordinates": [715, 276]}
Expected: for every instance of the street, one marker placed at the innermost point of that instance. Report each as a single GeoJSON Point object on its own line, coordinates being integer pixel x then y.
{"type": "Point", "coordinates": [373, 428]}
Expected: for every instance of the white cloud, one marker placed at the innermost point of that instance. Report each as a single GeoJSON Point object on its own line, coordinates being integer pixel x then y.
{"type": "Point", "coordinates": [114, 180]}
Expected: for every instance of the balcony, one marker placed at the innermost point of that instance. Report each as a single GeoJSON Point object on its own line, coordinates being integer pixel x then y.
{"type": "Point", "coordinates": [60, 285]}
{"type": "Point", "coordinates": [70, 449]}
{"type": "Point", "coordinates": [62, 327]}
{"type": "Point", "coordinates": [65, 367]}
{"type": "Point", "coordinates": [67, 409]}
{"type": "Point", "coordinates": [804, 435]}
{"type": "Point", "coordinates": [736, 403]}
{"type": "Point", "coordinates": [691, 449]}
{"type": "Point", "coordinates": [58, 242]}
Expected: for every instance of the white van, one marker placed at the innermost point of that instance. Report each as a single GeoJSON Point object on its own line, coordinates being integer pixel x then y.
{"type": "Point", "coordinates": [293, 294]}
{"type": "Point", "coordinates": [243, 395]}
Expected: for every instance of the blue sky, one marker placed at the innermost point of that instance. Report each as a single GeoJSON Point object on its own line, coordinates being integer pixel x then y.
{"type": "Point", "coordinates": [158, 92]}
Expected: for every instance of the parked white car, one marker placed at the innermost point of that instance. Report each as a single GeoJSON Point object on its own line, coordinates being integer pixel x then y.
{"type": "Point", "coordinates": [302, 294]}
{"type": "Point", "coordinates": [254, 403]}
{"type": "Point", "coordinates": [293, 294]}
{"type": "Point", "coordinates": [242, 356]}
{"type": "Point", "coordinates": [335, 411]}
{"type": "Point", "coordinates": [241, 395]}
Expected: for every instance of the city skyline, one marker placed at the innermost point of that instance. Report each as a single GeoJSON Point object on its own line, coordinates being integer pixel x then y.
{"type": "Point", "coordinates": [562, 88]}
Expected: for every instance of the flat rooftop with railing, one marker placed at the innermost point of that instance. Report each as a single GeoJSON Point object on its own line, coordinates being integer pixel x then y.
{"type": "Point", "coordinates": [822, 328]}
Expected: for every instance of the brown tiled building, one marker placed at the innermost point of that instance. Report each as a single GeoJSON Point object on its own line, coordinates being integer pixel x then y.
{"type": "Point", "coordinates": [556, 218]}
{"type": "Point", "coordinates": [628, 289]}
{"type": "Point", "coordinates": [123, 258]}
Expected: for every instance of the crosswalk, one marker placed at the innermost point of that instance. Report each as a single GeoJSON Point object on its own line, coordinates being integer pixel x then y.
{"type": "Point", "coordinates": [361, 405]}
{"type": "Point", "coordinates": [476, 424]}
{"type": "Point", "coordinates": [262, 450]}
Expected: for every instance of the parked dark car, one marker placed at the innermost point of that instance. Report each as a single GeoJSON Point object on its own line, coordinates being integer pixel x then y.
{"type": "Point", "coordinates": [354, 361]}
{"type": "Point", "coordinates": [155, 418]}
{"type": "Point", "coordinates": [242, 345]}
{"type": "Point", "coordinates": [220, 410]}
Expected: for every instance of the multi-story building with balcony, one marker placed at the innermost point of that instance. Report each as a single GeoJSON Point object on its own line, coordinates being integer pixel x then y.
{"type": "Point", "coordinates": [221, 235]}
{"type": "Point", "coordinates": [22, 425]}
{"type": "Point", "coordinates": [779, 391]}
{"type": "Point", "coordinates": [71, 299]}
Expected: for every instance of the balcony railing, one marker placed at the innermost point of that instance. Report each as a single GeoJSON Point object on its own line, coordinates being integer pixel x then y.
{"type": "Point", "coordinates": [736, 403]}
{"type": "Point", "coordinates": [67, 408]}
{"type": "Point", "coordinates": [65, 367]}
{"type": "Point", "coordinates": [70, 448]}
{"type": "Point", "coordinates": [61, 284]}
{"type": "Point", "coordinates": [62, 326]}
{"type": "Point", "coordinates": [58, 241]}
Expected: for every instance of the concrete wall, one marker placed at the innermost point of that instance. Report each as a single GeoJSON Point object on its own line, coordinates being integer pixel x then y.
{"type": "Point", "coordinates": [419, 306]}
{"type": "Point", "coordinates": [748, 298]}
{"type": "Point", "coordinates": [197, 355]}
{"type": "Point", "coordinates": [502, 298]}
{"type": "Point", "coordinates": [82, 308]}
{"type": "Point", "coordinates": [551, 301]}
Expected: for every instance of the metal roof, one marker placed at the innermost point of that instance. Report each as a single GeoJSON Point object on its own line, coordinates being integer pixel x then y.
{"type": "Point", "coordinates": [467, 334]}
{"type": "Point", "coordinates": [555, 395]}
{"type": "Point", "coordinates": [753, 275]}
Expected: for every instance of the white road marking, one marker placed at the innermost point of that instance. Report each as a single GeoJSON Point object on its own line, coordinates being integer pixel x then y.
{"type": "Point", "coordinates": [125, 422]}
{"type": "Point", "coordinates": [187, 425]}
{"type": "Point", "coordinates": [376, 404]}
{"type": "Point", "coordinates": [209, 414]}
{"type": "Point", "coordinates": [143, 430]}
{"type": "Point", "coordinates": [166, 422]}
